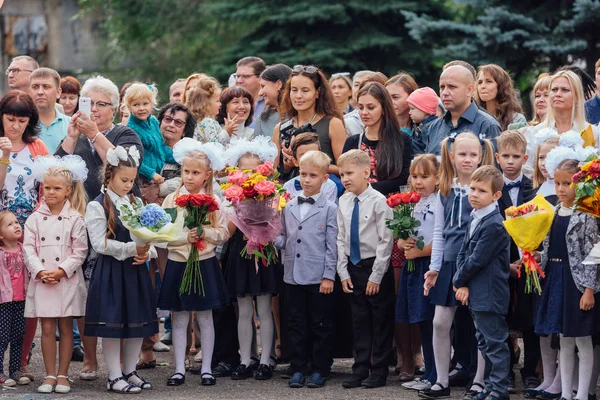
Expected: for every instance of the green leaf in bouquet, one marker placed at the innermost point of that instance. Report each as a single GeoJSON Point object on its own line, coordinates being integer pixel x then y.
{"type": "Point", "coordinates": [205, 222]}
{"type": "Point", "coordinates": [257, 254]}
{"type": "Point", "coordinates": [420, 243]}
{"type": "Point", "coordinates": [189, 222]}
{"type": "Point", "coordinates": [172, 212]}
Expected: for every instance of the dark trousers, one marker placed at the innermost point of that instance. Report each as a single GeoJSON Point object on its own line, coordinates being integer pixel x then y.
{"type": "Point", "coordinates": [226, 337]}
{"type": "Point", "coordinates": [12, 330]}
{"type": "Point", "coordinates": [309, 317]}
{"type": "Point", "coordinates": [531, 354]}
{"type": "Point", "coordinates": [465, 342]}
{"type": "Point", "coordinates": [372, 321]}
{"type": "Point", "coordinates": [492, 332]}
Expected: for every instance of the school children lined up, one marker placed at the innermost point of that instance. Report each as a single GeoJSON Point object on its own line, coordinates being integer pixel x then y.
{"type": "Point", "coordinates": [334, 271]}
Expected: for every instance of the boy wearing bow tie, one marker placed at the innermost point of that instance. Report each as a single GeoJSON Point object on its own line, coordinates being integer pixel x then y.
{"type": "Point", "coordinates": [309, 239]}
{"type": "Point", "coordinates": [517, 190]}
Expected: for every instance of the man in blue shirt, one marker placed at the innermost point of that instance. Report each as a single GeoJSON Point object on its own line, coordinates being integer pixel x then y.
{"type": "Point", "coordinates": [592, 106]}
{"type": "Point", "coordinates": [456, 90]}
{"type": "Point", "coordinates": [247, 75]}
{"type": "Point", "coordinates": [44, 89]}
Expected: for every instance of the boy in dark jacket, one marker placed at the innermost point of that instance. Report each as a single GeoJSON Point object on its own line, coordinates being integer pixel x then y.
{"type": "Point", "coordinates": [481, 279]}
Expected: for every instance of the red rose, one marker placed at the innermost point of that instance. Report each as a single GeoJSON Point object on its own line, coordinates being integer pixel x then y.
{"type": "Point", "coordinates": [415, 197]}
{"type": "Point", "coordinates": [249, 192]}
{"type": "Point", "coordinates": [394, 200]}
{"type": "Point", "coordinates": [200, 244]}
{"type": "Point", "coordinates": [183, 200]}
{"type": "Point", "coordinates": [404, 198]}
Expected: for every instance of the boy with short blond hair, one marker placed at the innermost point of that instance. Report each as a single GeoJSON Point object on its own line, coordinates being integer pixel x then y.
{"type": "Point", "coordinates": [364, 246]}
{"type": "Point", "coordinates": [309, 239]}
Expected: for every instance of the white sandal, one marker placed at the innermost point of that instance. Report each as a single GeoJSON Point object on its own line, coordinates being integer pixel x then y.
{"type": "Point", "coordinates": [46, 387]}
{"type": "Point", "coordinates": [62, 388]}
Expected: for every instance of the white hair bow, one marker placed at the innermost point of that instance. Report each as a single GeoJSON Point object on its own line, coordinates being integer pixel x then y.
{"type": "Point", "coordinates": [214, 152]}
{"type": "Point", "coordinates": [73, 163]}
{"type": "Point", "coordinates": [114, 156]}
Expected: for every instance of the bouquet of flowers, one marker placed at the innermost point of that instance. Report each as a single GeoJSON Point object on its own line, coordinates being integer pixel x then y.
{"type": "Point", "coordinates": [257, 199]}
{"type": "Point", "coordinates": [587, 188]}
{"type": "Point", "coordinates": [528, 225]}
{"type": "Point", "coordinates": [150, 223]}
{"type": "Point", "coordinates": [198, 206]}
{"type": "Point", "coordinates": [404, 223]}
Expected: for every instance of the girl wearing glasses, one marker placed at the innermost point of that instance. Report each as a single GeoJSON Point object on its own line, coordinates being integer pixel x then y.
{"type": "Point", "coordinates": [307, 98]}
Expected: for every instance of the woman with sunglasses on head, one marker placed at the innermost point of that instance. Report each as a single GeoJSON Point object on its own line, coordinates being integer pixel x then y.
{"type": "Point", "coordinates": [308, 99]}
{"type": "Point", "coordinates": [341, 85]}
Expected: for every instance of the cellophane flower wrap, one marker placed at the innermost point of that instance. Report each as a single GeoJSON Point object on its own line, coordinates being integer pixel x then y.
{"type": "Point", "coordinates": [587, 188]}
{"type": "Point", "coordinates": [528, 225]}
{"type": "Point", "coordinates": [404, 224]}
{"type": "Point", "coordinates": [257, 199]}
{"type": "Point", "coordinates": [150, 223]}
{"type": "Point", "coordinates": [197, 207]}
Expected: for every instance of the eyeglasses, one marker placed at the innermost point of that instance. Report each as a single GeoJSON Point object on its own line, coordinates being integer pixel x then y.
{"type": "Point", "coordinates": [177, 122]}
{"type": "Point", "coordinates": [16, 71]}
{"type": "Point", "coordinates": [340, 74]}
{"type": "Point", "coordinates": [100, 105]}
{"type": "Point", "coordinates": [311, 69]}
{"type": "Point", "coordinates": [243, 76]}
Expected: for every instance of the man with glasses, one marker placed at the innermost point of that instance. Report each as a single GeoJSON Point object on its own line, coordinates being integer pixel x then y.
{"type": "Point", "coordinates": [44, 89]}
{"type": "Point", "coordinates": [18, 72]}
{"type": "Point", "coordinates": [247, 75]}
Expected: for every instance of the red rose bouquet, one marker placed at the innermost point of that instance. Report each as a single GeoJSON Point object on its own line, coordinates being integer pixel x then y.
{"type": "Point", "coordinates": [404, 223]}
{"type": "Point", "coordinates": [257, 199]}
{"type": "Point", "coordinates": [198, 206]}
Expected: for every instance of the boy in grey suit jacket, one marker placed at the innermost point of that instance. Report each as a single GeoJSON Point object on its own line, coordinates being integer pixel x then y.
{"type": "Point", "coordinates": [481, 279]}
{"type": "Point", "coordinates": [309, 239]}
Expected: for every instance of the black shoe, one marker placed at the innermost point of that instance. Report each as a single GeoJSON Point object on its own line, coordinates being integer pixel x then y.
{"type": "Point", "coordinates": [241, 372]}
{"type": "Point", "coordinates": [263, 372]}
{"type": "Point", "coordinates": [354, 382]}
{"type": "Point", "coordinates": [77, 354]}
{"type": "Point", "coordinates": [531, 382]}
{"type": "Point", "coordinates": [373, 382]}
{"type": "Point", "coordinates": [420, 371]}
{"type": "Point", "coordinates": [432, 393]}
{"type": "Point", "coordinates": [473, 394]}
{"type": "Point", "coordinates": [176, 379]}
{"type": "Point", "coordinates": [548, 396]}
{"type": "Point", "coordinates": [208, 379]}
{"type": "Point", "coordinates": [591, 397]}
{"type": "Point", "coordinates": [531, 393]}
{"type": "Point", "coordinates": [222, 370]}
{"type": "Point", "coordinates": [287, 373]}
{"type": "Point", "coordinates": [460, 379]}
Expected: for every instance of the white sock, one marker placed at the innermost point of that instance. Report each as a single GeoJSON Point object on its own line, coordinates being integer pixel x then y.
{"type": "Point", "coordinates": [244, 327]}
{"type": "Point", "coordinates": [595, 371]}
{"type": "Point", "coordinates": [131, 352]}
{"type": "Point", "coordinates": [479, 375]}
{"type": "Point", "coordinates": [111, 348]}
{"type": "Point", "coordinates": [548, 362]}
{"type": "Point", "coordinates": [442, 322]}
{"type": "Point", "coordinates": [207, 338]}
{"type": "Point", "coordinates": [586, 365]}
{"type": "Point", "coordinates": [267, 330]}
{"type": "Point", "coordinates": [556, 386]}
{"type": "Point", "coordinates": [567, 362]}
{"type": "Point", "coordinates": [180, 321]}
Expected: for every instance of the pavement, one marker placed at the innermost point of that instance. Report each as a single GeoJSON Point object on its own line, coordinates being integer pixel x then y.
{"type": "Point", "coordinates": [250, 389]}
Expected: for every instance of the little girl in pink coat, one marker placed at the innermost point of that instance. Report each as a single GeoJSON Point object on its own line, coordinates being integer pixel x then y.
{"type": "Point", "coordinates": [55, 244]}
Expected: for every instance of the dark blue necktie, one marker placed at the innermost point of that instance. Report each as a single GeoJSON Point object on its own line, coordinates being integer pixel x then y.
{"type": "Point", "coordinates": [354, 239]}
{"type": "Point", "coordinates": [513, 185]}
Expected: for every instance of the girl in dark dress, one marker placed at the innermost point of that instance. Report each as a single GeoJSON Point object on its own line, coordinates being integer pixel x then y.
{"type": "Point", "coordinates": [121, 303]}
{"type": "Point", "coordinates": [198, 163]}
{"type": "Point", "coordinates": [244, 281]}
{"type": "Point", "coordinates": [568, 297]}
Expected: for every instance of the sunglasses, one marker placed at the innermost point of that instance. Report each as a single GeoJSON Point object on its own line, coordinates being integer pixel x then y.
{"type": "Point", "coordinates": [340, 74]}
{"type": "Point", "coordinates": [310, 69]}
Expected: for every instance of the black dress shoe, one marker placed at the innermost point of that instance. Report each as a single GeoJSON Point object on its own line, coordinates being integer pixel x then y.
{"type": "Point", "coordinates": [241, 372]}
{"type": "Point", "coordinates": [374, 382]}
{"type": "Point", "coordinates": [208, 379]}
{"type": "Point", "coordinates": [460, 379]}
{"type": "Point", "coordinates": [432, 393]}
{"type": "Point", "coordinates": [176, 379]}
{"type": "Point", "coordinates": [222, 370]}
{"type": "Point", "coordinates": [354, 382]}
{"type": "Point", "coordinates": [263, 372]}
{"type": "Point", "coordinates": [77, 354]}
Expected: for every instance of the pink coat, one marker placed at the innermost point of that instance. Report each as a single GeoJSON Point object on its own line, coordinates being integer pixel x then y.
{"type": "Point", "coordinates": [6, 287]}
{"type": "Point", "coordinates": [50, 242]}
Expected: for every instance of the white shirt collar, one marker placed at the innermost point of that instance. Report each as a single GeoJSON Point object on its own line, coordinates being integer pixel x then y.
{"type": "Point", "coordinates": [114, 197]}
{"type": "Point", "coordinates": [482, 212]}
{"type": "Point", "coordinates": [314, 196]}
{"type": "Point", "coordinates": [507, 181]}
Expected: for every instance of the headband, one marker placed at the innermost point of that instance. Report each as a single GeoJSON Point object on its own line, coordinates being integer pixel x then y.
{"type": "Point", "coordinates": [214, 152]}
{"type": "Point", "coordinates": [453, 135]}
{"type": "Point", "coordinates": [261, 146]}
{"type": "Point", "coordinates": [72, 163]}
{"type": "Point", "coordinates": [118, 154]}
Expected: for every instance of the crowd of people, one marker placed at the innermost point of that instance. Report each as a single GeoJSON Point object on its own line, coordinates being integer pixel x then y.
{"type": "Point", "coordinates": [445, 307]}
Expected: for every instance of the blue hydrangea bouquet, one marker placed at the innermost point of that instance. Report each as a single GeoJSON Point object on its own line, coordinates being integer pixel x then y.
{"type": "Point", "coordinates": [151, 223]}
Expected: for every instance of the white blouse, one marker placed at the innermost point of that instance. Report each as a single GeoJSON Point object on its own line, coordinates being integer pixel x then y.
{"type": "Point", "coordinates": [425, 213]}
{"type": "Point", "coordinates": [97, 225]}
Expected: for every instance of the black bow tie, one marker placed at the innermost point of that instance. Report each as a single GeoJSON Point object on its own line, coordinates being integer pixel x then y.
{"type": "Point", "coordinates": [309, 200]}
{"type": "Point", "coordinates": [513, 185]}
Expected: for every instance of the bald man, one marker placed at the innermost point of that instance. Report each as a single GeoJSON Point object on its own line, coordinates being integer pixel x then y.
{"type": "Point", "coordinates": [456, 91]}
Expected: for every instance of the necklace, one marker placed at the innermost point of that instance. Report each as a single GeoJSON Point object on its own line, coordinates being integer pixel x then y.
{"type": "Point", "coordinates": [309, 122]}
